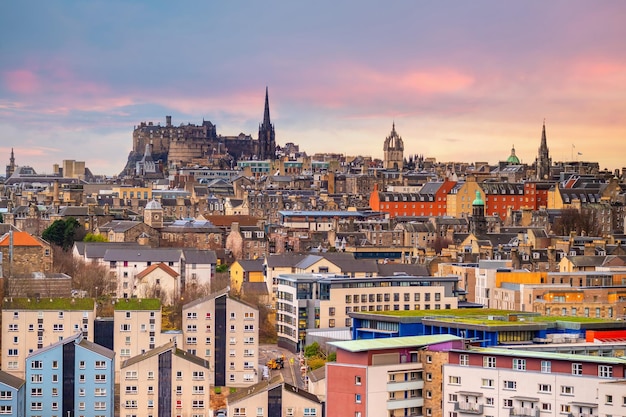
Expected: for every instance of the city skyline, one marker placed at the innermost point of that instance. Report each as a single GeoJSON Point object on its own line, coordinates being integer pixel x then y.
{"type": "Point", "coordinates": [461, 81]}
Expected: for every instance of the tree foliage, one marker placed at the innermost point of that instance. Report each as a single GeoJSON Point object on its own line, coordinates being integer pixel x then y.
{"type": "Point", "coordinates": [64, 233]}
{"type": "Point", "coordinates": [92, 237]}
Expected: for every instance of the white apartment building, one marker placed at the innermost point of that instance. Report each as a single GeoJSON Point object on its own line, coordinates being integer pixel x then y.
{"type": "Point", "coordinates": [29, 324]}
{"type": "Point", "coordinates": [502, 382]}
{"type": "Point", "coordinates": [310, 301]}
{"type": "Point", "coordinates": [165, 381]}
{"type": "Point", "coordinates": [225, 333]}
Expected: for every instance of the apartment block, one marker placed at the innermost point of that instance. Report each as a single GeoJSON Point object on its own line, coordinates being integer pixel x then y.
{"type": "Point", "coordinates": [382, 377]}
{"type": "Point", "coordinates": [497, 382]}
{"type": "Point", "coordinates": [73, 377]}
{"type": "Point", "coordinates": [225, 333]}
{"type": "Point", "coordinates": [137, 328]}
{"type": "Point", "coordinates": [274, 398]}
{"type": "Point", "coordinates": [29, 324]}
{"type": "Point", "coordinates": [165, 381]}
{"type": "Point", "coordinates": [12, 394]}
{"type": "Point", "coordinates": [310, 301]}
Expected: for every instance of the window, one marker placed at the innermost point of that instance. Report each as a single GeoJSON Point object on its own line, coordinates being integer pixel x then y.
{"type": "Point", "coordinates": [81, 365]}
{"type": "Point", "coordinates": [608, 399]}
{"type": "Point", "coordinates": [487, 382]}
{"type": "Point", "coordinates": [131, 389]}
{"type": "Point", "coordinates": [179, 375]}
{"type": "Point", "coordinates": [456, 380]}
{"type": "Point", "coordinates": [179, 389]}
{"type": "Point", "coordinates": [36, 406]}
{"type": "Point", "coordinates": [131, 375]}
{"type": "Point", "coordinates": [309, 412]}
{"type": "Point", "coordinates": [577, 369]}
{"type": "Point", "coordinates": [36, 365]}
{"type": "Point", "coordinates": [519, 364]}
{"type": "Point", "coordinates": [545, 388]}
{"type": "Point", "coordinates": [192, 315]}
{"type": "Point", "coordinates": [197, 404]}
{"type": "Point", "coordinates": [567, 390]}
{"type": "Point", "coordinates": [565, 408]}
{"type": "Point", "coordinates": [13, 352]}
{"type": "Point", "coordinates": [36, 378]}
{"type": "Point", "coordinates": [605, 371]}
{"type": "Point", "coordinates": [6, 409]}
{"type": "Point", "coordinates": [101, 378]}
{"type": "Point", "coordinates": [198, 389]}
{"type": "Point", "coordinates": [125, 327]}
{"type": "Point", "coordinates": [464, 360]}
{"type": "Point", "coordinates": [489, 401]}
{"type": "Point", "coordinates": [197, 375]}
{"type": "Point", "coordinates": [101, 365]}
{"type": "Point", "coordinates": [489, 362]}
{"type": "Point", "coordinates": [546, 367]}
{"type": "Point", "coordinates": [546, 406]}
{"type": "Point", "coordinates": [100, 392]}
{"type": "Point", "coordinates": [357, 398]}
{"type": "Point", "coordinates": [508, 403]}
{"type": "Point", "coordinates": [510, 384]}
{"type": "Point", "coordinates": [34, 392]}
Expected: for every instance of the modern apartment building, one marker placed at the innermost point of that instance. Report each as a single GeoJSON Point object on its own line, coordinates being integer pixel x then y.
{"type": "Point", "coordinates": [73, 377]}
{"type": "Point", "coordinates": [29, 324]}
{"type": "Point", "coordinates": [274, 398]}
{"type": "Point", "coordinates": [310, 301]}
{"type": "Point", "coordinates": [498, 382]}
{"type": "Point", "coordinates": [12, 393]}
{"type": "Point", "coordinates": [383, 377]}
{"type": "Point", "coordinates": [137, 328]}
{"type": "Point", "coordinates": [165, 381]}
{"type": "Point", "coordinates": [225, 333]}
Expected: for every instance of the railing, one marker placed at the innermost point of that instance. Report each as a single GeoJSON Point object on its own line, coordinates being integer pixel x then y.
{"type": "Point", "coordinates": [524, 412]}
{"type": "Point", "coordinates": [469, 408]}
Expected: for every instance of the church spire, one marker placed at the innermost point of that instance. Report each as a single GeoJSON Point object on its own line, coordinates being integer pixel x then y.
{"type": "Point", "coordinates": [544, 141]}
{"type": "Point", "coordinates": [543, 161]}
{"type": "Point", "coordinates": [266, 113]}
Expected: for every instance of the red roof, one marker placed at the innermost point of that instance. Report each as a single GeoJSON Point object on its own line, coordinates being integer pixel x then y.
{"type": "Point", "coordinates": [20, 239]}
{"type": "Point", "coordinates": [153, 267]}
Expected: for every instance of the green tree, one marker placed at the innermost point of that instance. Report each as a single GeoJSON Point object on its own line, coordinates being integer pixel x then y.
{"type": "Point", "coordinates": [92, 237]}
{"type": "Point", "coordinates": [64, 233]}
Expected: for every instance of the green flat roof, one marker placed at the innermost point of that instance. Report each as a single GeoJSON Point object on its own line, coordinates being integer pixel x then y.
{"type": "Point", "coordinates": [138, 304]}
{"type": "Point", "coordinates": [550, 355]}
{"type": "Point", "coordinates": [46, 303]}
{"type": "Point", "coordinates": [456, 312]}
{"type": "Point", "coordinates": [393, 342]}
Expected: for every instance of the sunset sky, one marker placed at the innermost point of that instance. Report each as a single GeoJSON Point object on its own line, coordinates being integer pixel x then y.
{"type": "Point", "coordinates": [463, 80]}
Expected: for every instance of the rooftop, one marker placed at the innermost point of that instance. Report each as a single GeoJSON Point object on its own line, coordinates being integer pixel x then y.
{"type": "Point", "coordinates": [393, 342]}
{"type": "Point", "coordinates": [138, 304]}
{"type": "Point", "coordinates": [550, 355]}
{"type": "Point", "coordinates": [12, 303]}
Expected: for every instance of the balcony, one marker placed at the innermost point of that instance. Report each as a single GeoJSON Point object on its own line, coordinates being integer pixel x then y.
{"type": "Point", "coordinates": [468, 408]}
{"type": "Point", "coordinates": [405, 385]}
{"type": "Point", "coordinates": [524, 412]}
{"type": "Point", "coordinates": [405, 403]}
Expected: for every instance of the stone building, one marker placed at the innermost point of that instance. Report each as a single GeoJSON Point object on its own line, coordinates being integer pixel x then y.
{"type": "Point", "coordinates": [23, 253]}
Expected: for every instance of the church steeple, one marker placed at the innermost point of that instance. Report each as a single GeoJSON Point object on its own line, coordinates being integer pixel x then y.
{"type": "Point", "coordinates": [266, 113]}
{"type": "Point", "coordinates": [10, 169]}
{"type": "Point", "coordinates": [543, 162]}
{"type": "Point", "coordinates": [267, 136]}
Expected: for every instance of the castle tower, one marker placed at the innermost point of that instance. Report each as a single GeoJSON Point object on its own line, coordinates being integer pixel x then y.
{"type": "Point", "coordinates": [267, 136]}
{"type": "Point", "coordinates": [543, 161]}
{"type": "Point", "coordinates": [11, 167]}
{"type": "Point", "coordinates": [478, 223]}
{"type": "Point", "coordinates": [394, 151]}
{"type": "Point", "coordinates": [153, 214]}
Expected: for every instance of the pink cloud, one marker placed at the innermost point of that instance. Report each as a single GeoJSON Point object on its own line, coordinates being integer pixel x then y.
{"type": "Point", "coordinates": [22, 81]}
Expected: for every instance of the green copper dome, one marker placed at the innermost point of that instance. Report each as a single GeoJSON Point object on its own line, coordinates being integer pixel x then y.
{"type": "Point", "coordinates": [513, 159]}
{"type": "Point", "coordinates": [479, 201]}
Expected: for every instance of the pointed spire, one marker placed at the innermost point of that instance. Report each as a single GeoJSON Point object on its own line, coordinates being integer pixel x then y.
{"type": "Point", "coordinates": [544, 141]}
{"type": "Point", "coordinates": [266, 114]}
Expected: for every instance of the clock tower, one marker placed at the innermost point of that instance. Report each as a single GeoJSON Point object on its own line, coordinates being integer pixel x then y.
{"type": "Point", "coordinates": [153, 214]}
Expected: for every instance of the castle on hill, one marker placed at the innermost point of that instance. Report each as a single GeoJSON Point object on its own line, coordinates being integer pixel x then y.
{"type": "Point", "coordinates": [179, 146]}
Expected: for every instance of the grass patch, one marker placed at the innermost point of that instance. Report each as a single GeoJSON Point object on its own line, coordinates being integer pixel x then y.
{"type": "Point", "coordinates": [44, 303]}
{"type": "Point", "coordinates": [138, 304]}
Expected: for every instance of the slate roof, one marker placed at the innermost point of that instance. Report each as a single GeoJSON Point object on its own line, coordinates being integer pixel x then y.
{"type": "Point", "coordinates": [164, 348]}
{"type": "Point", "coordinates": [391, 269]}
{"type": "Point", "coordinates": [98, 249]}
{"type": "Point", "coordinates": [119, 226]}
{"type": "Point", "coordinates": [263, 386]}
{"type": "Point", "coordinates": [200, 256]}
{"type": "Point", "coordinates": [143, 254]}
{"type": "Point", "coordinates": [284, 260]}
{"type": "Point", "coordinates": [10, 380]}
{"type": "Point", "coordinates": [253, 265]}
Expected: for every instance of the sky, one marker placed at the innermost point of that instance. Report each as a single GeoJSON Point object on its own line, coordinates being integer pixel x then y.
{"type": "Point", "coordinates": [461, 80]}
